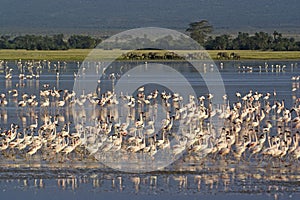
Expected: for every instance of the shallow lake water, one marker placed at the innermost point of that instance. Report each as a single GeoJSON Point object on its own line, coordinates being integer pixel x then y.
{"type": "Point", "coordinates": [186, 179]}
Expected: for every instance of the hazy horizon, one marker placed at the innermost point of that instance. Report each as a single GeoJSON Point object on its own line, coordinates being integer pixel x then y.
{"type": "Point", "coordinates": [91, 15]}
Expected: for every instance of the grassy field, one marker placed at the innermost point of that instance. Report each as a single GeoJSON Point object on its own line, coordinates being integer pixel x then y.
{"type": "Point", "coordinates": [69, 55]}
{"type": "Point", "coordinates": [261, 55]}
{"type": "Point", "coordinates": [81, 54]}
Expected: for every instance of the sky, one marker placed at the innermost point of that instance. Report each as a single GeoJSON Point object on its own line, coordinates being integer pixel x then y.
{"type": "Point", "coordinates": [22, 15]}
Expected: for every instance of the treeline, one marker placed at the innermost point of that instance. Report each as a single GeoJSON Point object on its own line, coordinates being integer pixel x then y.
{"type": "Point", "coordinates": [201, 31]}
{"type": "Point", "coordinates": [258, 41]}
{"type": "Point", "coordinates": [55, 42]}
{"type": "Point", "coordinates": [243, 41]}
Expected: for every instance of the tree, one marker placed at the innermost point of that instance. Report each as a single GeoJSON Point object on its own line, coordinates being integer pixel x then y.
{"type": "Point", "coordinates": [4, 42]}
{"type": "Point", "coordinates": [242, 41]}
{"type": "Point", "coordinates": [262, 41]}
{"type": "Point", "coordinates": [81, 42]}
{"type": "Point", "coordinates": [199, 30]}
{"type": "Point", "coordinates": [59, 43]}
{"type": "Point", "coordinates": [221, 42]}
{"type": "Point", "coordinates": [277, 36]}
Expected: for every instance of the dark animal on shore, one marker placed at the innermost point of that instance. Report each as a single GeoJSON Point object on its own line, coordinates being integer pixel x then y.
{"type": "Point", "coordinates": [223, 55]}
{"type": "Point", "coordinates": [235, 56]}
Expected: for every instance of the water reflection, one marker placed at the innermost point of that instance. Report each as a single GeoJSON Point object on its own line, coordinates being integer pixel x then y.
{"type": "Point", "coordinates": [235, 180]}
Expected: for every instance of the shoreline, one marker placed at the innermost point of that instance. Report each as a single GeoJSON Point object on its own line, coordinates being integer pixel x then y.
{"type": "Point", "coordinates": [81, 54]}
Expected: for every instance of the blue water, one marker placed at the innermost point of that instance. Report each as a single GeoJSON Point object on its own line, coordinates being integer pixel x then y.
{"type": "Point", "coordinates": [32, 179]}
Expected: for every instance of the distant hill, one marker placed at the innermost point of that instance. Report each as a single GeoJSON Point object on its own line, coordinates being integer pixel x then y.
{"type": "Point", "coordinates": [44, 15]}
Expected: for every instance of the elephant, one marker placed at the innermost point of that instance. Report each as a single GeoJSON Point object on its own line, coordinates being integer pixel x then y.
{"type": "Point", "coordinates": [173, 56]}
{"type": "Point", "coordinates": [223, 55]}
{"type": "Point", "coordinates": [235, 56]}
{"type": "Point", "coordinates": [159, 56]}
{"type": "Point", "coordinates": [170, 55]}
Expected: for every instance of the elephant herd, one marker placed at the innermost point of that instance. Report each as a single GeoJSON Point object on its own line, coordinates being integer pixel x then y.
{"type": "Point", "coordinates": [169, 55]}
{"type": "Point", "coordinates": [227, 56]}
{"type": "Point", "coordinates": [163, 55]}
{"type": "Point", "coordinates": [150, 56]}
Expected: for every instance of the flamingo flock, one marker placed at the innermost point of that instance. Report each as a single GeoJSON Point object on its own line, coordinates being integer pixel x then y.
{"type": "Point", "coordinates": [60, 125]}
